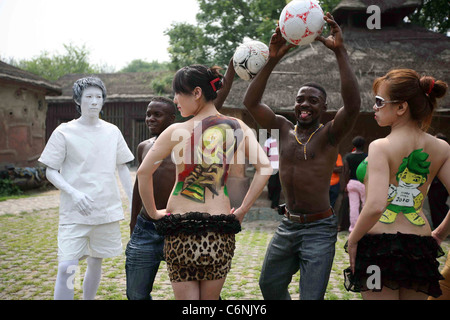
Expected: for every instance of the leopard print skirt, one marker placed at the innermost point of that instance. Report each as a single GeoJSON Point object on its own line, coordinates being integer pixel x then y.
{"type": "Point", "coordinates": [198, 246]}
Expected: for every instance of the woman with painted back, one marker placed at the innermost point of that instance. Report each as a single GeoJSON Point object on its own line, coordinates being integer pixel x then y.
{"type": "Point", "coordinates": [199, 224]}
{"type": "Point", "coordinates": [392, 249]}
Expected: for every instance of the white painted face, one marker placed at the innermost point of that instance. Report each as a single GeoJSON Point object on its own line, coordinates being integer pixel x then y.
{"type": "Point", "coordinates": [91, 102]}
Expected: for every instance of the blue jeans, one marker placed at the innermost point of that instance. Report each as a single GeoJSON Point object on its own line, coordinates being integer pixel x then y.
{"type": "Point", "coordinates": [144, 253]}
{"type": "Point", "coordinates": [309, 247]}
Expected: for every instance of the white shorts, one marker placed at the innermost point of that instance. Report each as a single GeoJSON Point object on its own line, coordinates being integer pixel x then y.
{"type": "Point", "coordinates": [77, 241]}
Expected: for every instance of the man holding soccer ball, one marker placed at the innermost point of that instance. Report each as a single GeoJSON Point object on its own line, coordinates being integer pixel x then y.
{"type": "Point", "coordinates": [307, 235]}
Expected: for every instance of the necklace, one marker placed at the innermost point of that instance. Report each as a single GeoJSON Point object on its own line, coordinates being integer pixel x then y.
{"type": "Point", "coordinates": [304, 145]}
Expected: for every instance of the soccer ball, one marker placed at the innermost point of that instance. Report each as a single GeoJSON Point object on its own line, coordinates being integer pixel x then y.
{"type": "Point", "coordinates": [249, 58]}
{"type": "Point", "coordinates": [301, 21]}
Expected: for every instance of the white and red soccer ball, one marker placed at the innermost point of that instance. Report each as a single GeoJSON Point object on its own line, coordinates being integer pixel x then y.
{"type": "Point", "coordinates": [301, 21]}
{"type": "Point", "coordinates": [249, 58]}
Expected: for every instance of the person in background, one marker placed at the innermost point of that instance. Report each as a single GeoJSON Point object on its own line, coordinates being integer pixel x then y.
{"type": "Point", "coordinates": [274, 185]}
{"type": "Point", "coordinates": [439, 234]}
{"type": "Point", "coordinates": [335, 185]}
{"type": "Point", "coordinates": [144, 251]}
{"type": "Point", "coordinates": [437, 196]}
{"type": "Point", "coordinates": [355, 189]}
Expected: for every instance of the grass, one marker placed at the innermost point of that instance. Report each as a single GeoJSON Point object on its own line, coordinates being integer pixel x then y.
{"type": "Point", "coordinates": [28, 262]}
{"type": "Point", "coordinates": [27, 193]}
{"type": "Point", "coordinates": [4, 198]}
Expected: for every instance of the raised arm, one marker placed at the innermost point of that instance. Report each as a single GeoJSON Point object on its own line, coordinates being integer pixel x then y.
{"type": "Point", "coordinates": [252, 100]}
{"type": "Point", "coordinates": [227, 80]}
{"type": "Point", "coordinates": [346, 117]}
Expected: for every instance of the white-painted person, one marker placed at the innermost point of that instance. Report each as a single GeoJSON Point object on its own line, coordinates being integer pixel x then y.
{"type": "Point", "coordinates": [81, 158]}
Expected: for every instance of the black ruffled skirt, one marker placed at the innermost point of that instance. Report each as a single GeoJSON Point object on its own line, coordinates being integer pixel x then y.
{"type": "Point", "coordinates": [404, 260]}
{"type": "Point", "coordinates": [197, 223]}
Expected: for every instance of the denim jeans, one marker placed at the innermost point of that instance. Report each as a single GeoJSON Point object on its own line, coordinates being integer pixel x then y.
{"type": "Point", "coordinates": [144, 253]}
{"type": "Point", "coordinates": [309, 247]}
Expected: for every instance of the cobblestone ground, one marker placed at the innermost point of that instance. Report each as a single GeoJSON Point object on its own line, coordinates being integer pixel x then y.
{"type": "Point", "coordinates": [28, 257]}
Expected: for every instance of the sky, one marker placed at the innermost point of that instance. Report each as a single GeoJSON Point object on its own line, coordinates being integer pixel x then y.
{"type": "Point", "coordinates": [114, 32]}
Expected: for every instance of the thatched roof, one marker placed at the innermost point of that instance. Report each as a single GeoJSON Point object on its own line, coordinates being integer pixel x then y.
{"type": "Point", "coordinates": [372, 53]}
{"type": "Point", "coordinates": [354, 12]}
{"type": "Point", "coordinates": [384, 5]}
{"type": "Point", "coordinates": [12, 74]}
{"type": "Point", "coordinates": [131, 86]}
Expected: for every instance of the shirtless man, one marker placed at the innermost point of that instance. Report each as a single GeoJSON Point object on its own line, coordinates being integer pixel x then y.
{"type": "Point", "coordinates": [145, 249]}
{"type": "Point", "coordinates": [306, 237]}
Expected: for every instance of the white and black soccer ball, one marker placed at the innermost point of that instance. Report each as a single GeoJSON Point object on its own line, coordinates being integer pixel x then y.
{"type": "Point", "coordinates": [249, 58]}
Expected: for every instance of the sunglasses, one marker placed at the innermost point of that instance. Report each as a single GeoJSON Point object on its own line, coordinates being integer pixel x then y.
{"type": "Point", "coordinates": [380, 102]}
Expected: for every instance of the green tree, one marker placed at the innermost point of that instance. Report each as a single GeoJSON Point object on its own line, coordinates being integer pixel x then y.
{"type": "Point", "coordinates": [227, 23]}
{"type": "Point", "coordinates": [224, 24]}
{"type": "Point", "coordinates": [139, 65]}
{"type": "Point", "coordinates": [433, 15]}
{"type": "Point", "coordinates": [266, 14]}
{"type": "Point", "coordinates": [221, 26]}
{"type": "Point", "coordinates": [186, 45]}
{"type": "Point", "coordinates": [163, 83]}
{"type": "Point", "coordinates": [51, 67]}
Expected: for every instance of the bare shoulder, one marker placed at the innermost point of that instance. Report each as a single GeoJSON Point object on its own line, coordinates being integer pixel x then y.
{"type": "Point", "coordinates": [283, 123]}
{"type": "Point", "coordinates": [143, 148]}
{"type": "Point", "coordinates": [147, 142]}
{"type": "Point", "coordinates": [177, 125]}
{"type": "Point", "coordinates": [379, 147]}
{"type": "Point", "coordinates": [243, 125]}
{"type": "Point", "coordinates": [440, 149]}
{"type": "Point", "coordinates": [380, 143]}
{"type": "Point", "coordinates": [440, 144]}
{"type": "Point", "coordinates": [246, 130]}
{"type": "Point", "coordinates": [174, 130]}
